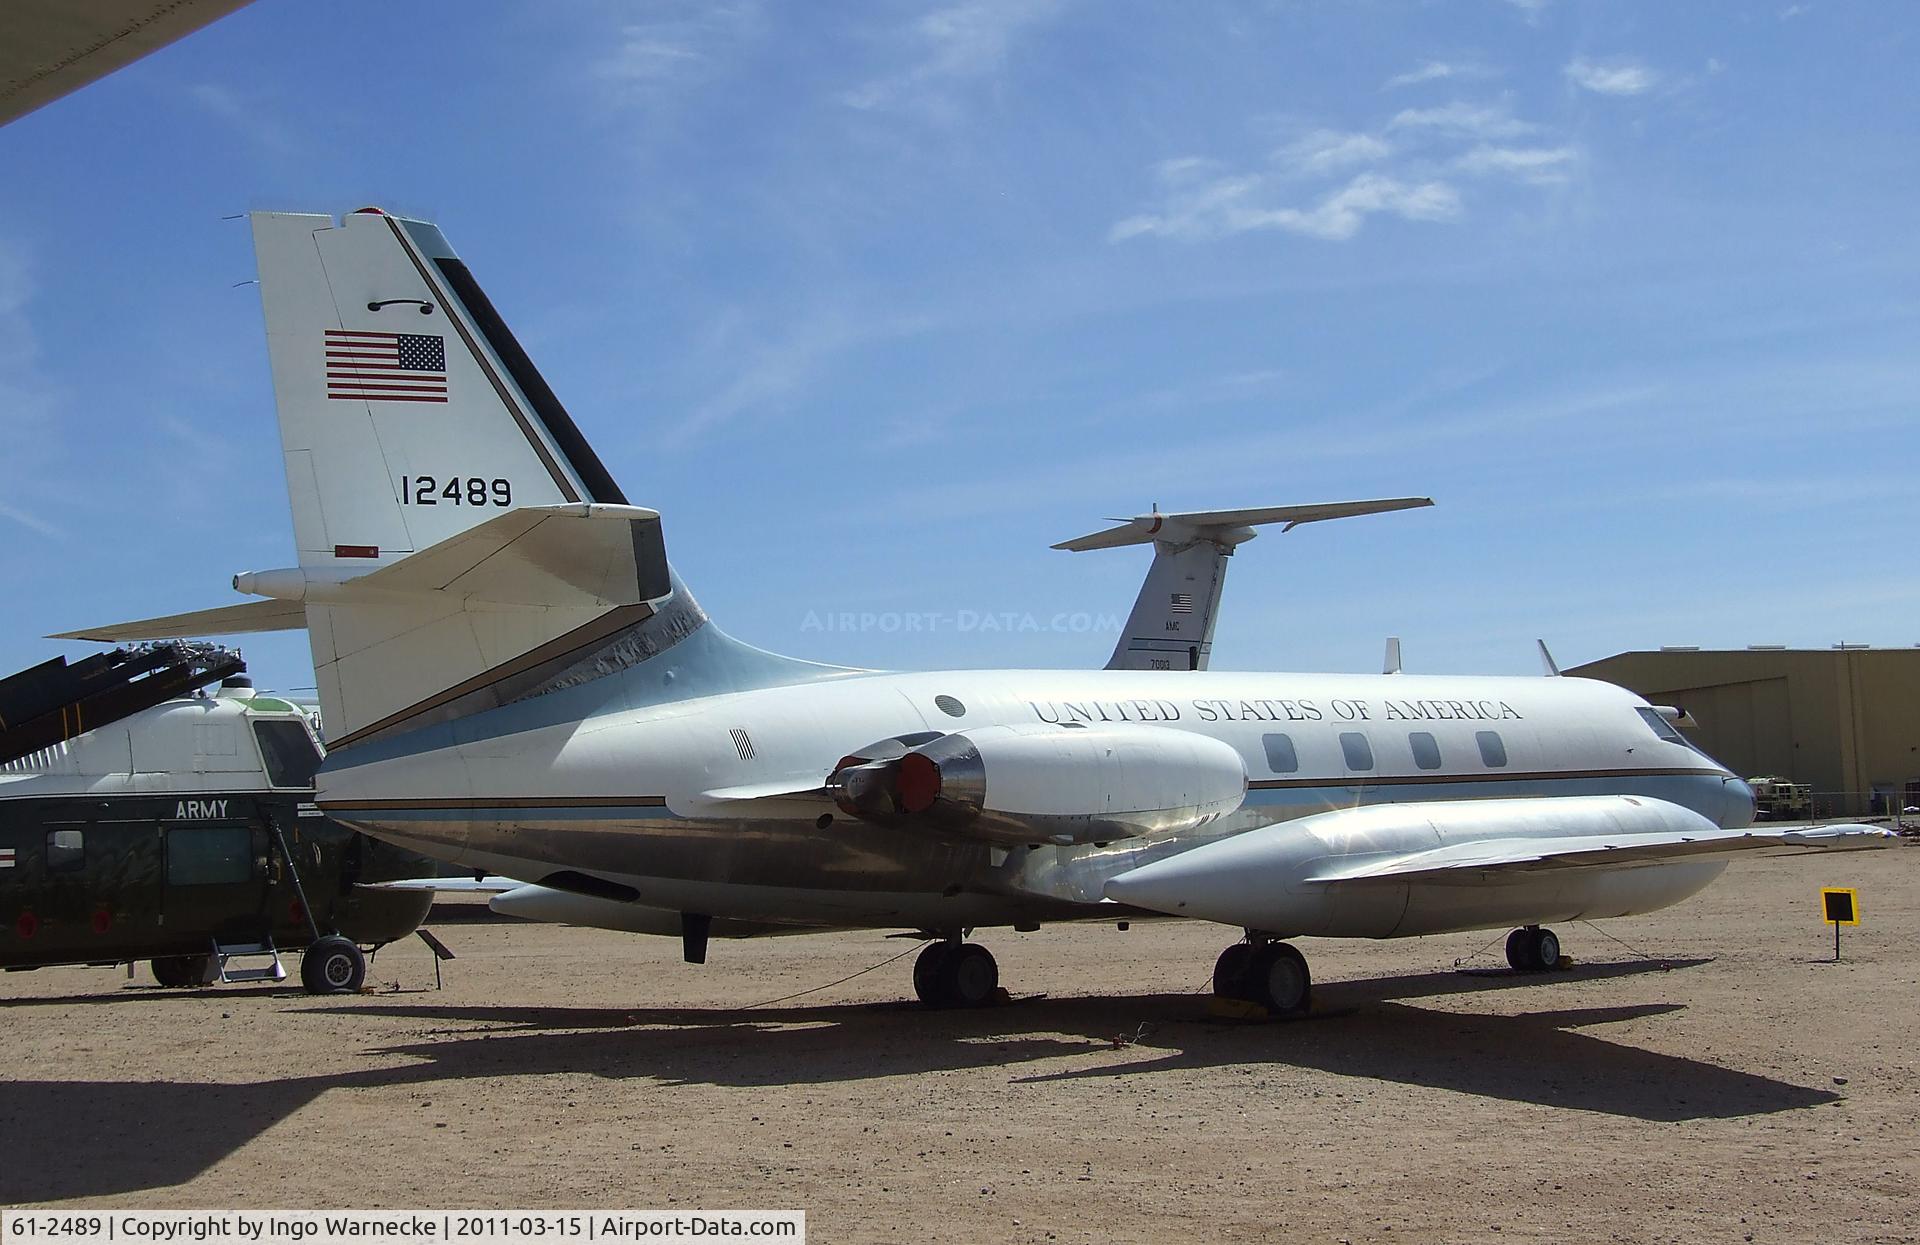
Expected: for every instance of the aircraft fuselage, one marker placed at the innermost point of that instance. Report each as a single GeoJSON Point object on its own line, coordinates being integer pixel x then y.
{"type": "Point", "coordinates": [653, 800]}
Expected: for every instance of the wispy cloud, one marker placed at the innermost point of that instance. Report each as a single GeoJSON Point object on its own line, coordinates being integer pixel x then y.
{"type": "Point", "coordinates": [246, 117]}
{"type": "Point", "coordinates": [947, 48]}
{"type": "Point", "coordinates": [1438, 71]}
{"type": "Point", "coordinates": [1511, 431]}
{"type": "Point", "coordinates": [1325, 151]}
{"type": "Point", "coordinates": [1541, 166]}
{"type": "Point", "coordinates": [767, 374]}
{"type": "Point", "coordinates": [27, 401]}
{"type": "Point", "coordinates": [1620, 76]}
{"type": "Point", "coordinates": [682, 43]}
{"type": "Point", "coordinates": [1224, 207]}
{"type": "Point", "coordinates": [1224, 388]}
{"type": "Point", "coordinates": [1402, 169]}
{"type": "Point", "coordinates": [1464, 120]}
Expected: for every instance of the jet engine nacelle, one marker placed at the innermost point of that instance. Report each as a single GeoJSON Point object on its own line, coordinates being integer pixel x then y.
{"type": "Point", "coordinates": [1043, 784]}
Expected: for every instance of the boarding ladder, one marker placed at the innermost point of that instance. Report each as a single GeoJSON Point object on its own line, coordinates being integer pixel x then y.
{"type": "Point", "coordinates": [224, 953]}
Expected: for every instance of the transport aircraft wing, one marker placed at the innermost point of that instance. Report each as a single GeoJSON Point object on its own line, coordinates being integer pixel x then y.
{"type": "Point", "coordinates": [1171, 627]}
{"type": "Point", "coordinates": [53, 47]}
{"type": "Point", "coordinates": [489, 885]}
{"type": "Point", "coordinates": [1462, 862]}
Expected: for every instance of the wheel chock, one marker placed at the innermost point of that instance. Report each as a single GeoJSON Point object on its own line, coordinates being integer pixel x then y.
{"type": "Point", "coordinates": [1221, 1008]}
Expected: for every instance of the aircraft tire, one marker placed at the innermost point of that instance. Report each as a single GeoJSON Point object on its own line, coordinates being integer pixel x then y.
{"type": "Point", "coordinates": [1281, 980]}
{"type": "Point", "coordinates": [1533, 949]}
{"type": "Point", "coordinates": [930, 974]}
{"type": "Point", "coordinates": [1546, 949]}
{"type": "Point", "coordinates": [179, 972]}
{"type": "Point", "coordinates": [973, 976]}
{"type": "Point", "coordinates": [333, 966]}
{"type": "Point", "coordinates": [1231, 971]}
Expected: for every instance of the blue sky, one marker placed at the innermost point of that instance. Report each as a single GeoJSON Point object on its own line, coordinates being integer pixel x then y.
{"type": "Point", "coordinates": [875, 302]}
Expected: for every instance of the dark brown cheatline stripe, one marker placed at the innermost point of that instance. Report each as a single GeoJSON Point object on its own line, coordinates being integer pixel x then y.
{"type": "Point", "coordinates": [563, 646]}
{"type": "Point", "coordinates": [519, 416]}
{"type": "Point", "coordinates": [475, 801]}
{"type": "Point", "coordinates": [1412, 780]}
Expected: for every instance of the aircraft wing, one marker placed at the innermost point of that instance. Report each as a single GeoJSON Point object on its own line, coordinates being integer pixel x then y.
{"type": "Point", "coordinates": [53, 47]}
{"type": "Point", "coordinates": [1256, 879]}
{"type": "Point", "coordinates": [490, 885]}
{"type": "Point", "coordinates": [225, 620]}
{"type": "Point", "coordinates": [1464, 862]}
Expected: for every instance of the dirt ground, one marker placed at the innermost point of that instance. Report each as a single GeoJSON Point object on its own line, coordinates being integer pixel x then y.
{"type": "Point", "coordinates": [1720, 1079]}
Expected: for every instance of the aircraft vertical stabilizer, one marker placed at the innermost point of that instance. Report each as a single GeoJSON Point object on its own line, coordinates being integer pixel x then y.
{"type": "Point", "coordinates": [458, 539]}
{"type": "Point", "coordinates": [460, 546]}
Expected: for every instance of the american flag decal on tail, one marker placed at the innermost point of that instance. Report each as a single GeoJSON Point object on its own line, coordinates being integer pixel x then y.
{"type": "Point", "coordinates": [386, 367]}
{"type": "Point", "coordinates": [1183, 603]}
{"type": "Point", "coordinates": [6, 858]}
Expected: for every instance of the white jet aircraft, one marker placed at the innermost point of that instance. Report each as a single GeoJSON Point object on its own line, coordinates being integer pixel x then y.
{"type": "Point", "coordinates": [516, 681]}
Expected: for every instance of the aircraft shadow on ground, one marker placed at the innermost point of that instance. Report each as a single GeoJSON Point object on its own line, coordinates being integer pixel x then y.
{"type": "Point", "coordinates": [73, 1139]}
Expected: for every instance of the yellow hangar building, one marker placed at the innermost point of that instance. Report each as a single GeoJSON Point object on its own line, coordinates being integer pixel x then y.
{"type": "Point", "coordinates": [1842, 721]}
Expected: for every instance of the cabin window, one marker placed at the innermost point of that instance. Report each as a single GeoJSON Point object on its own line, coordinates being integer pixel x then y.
{"type": "Point", "coordinates": [1358, 751]}
{"type": "Point", "coordinates": [1281, 758]}
{"type": "Point", "coordinates": [66, 850]}
{"type": "Point", "coordinates": [209, 855]}
{"type": "Point", "coordinates": [289, 753]}
{"type": "Point", "coordinates": [1493, 749]}
{"type": "Point", "coordinates": [1426, 750]}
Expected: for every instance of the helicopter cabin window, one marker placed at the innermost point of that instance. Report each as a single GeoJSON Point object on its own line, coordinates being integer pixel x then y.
{"type": "Point", "coordinates": [1426, 750]}
{"type": "Point", "coordinates": [209, 855]}
{"type": "Point", "coordinates": [1281, 758]}
{"type": "Point", "coordinates": [66, 850]}
{"type": "Point", "coordinates": [289, 753]}
{"type": "Point", "coordinates": [1358, 751]}
{"type": "Point", "coordinates": [1493, 749]}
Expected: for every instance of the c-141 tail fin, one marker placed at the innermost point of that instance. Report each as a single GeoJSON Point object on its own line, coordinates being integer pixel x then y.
{"type": "Point", "coordinates": [1171, 627]}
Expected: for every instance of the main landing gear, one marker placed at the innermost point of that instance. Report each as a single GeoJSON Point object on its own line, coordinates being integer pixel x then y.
{"type": "Point", "coordinates": [952, 973]}
{"type": "Point", "coordinates": [1266, 972]}
{"type": "Point", "coordinates": [333, 965]}
{"type": "Point", "coordinates": [1533, 949]}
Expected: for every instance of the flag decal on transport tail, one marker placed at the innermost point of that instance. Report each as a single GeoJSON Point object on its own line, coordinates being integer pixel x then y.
{"type": "Point", "coordinates": [386, 367]}
{"type": "Point", "coordinates": [1183, 603]}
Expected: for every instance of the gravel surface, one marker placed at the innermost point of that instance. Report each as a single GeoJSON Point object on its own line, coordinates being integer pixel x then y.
{"type": "Point", "coordinates": [1720, 1079]}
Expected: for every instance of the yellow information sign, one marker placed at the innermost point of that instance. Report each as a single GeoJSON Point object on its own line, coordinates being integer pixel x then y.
{"type": "Point", "coordinates": [1840, 905]}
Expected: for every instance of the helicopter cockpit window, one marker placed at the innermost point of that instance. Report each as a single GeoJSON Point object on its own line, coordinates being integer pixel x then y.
{"type": "Point", "coordinates": [289, 753]}
{"type": "Point", "coordinates": [66, 850]}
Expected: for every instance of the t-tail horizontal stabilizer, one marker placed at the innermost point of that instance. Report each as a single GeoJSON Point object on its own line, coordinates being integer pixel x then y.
{"type": "Point", "coordinates": [1171, 627]}
{"type": "Point", "coordinates": [249, 616]}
